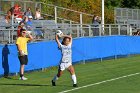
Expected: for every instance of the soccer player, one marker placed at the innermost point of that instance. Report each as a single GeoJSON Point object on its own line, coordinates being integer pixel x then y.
{"type": "Point", "coordinates": [22, 50]}
{"type": "Point", "coordinates": [66, 61]}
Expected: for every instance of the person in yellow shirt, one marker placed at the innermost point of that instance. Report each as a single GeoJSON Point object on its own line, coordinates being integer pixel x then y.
{"type": "Point", "coordinates": [21, 43]}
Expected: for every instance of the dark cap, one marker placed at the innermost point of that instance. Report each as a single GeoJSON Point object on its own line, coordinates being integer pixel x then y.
{"type": "Point", "coordinates": [21, 30]}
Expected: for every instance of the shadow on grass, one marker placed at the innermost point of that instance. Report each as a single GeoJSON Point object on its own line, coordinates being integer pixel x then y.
{"type": "Point", "coordinates": [10, 78]}
{"type": "Point", "coordinates": [63, 85]}
{"type": "Point", "coordinates": [7, 77]}
{"type": "Point", "coordinates": [34, 85]}
{"type": "Point", "coordinates": [24, 84]}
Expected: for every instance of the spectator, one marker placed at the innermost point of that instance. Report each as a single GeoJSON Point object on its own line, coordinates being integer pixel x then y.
{"type": "Point", "coordinates": [29, 24]}
{"type": "Point", "coordinates": [11, 10]}
{"type": "Point", "coordinates": [38, 14]}
{"type": "Point", "coordinates": [20, 13]}
{"type": "Point", "coordinates": [8, 17]}
{"type": "Point", "coordinates": [24, 20]}
{"type": "Point", "coordinates": [16, 11]}
{"type": "Point", "coordinates": [95, 23]}
{"type": "Point", "coordinates": [136, 33]}
{"type": "Point", "coordinates": [21, 26]}
{"type": "Point", "coordinates": [28, 12]}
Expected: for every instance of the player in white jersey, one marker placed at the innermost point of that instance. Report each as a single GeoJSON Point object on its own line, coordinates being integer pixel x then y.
{"type": "Point", "coordinates": [66, 61]}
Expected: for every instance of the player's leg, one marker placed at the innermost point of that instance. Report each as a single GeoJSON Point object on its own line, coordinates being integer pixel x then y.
{"type": "Point", "coordinates": [60, 72]}
{"type": "Point", "coordinates": [22, 70]}
{"type": "Point", "coordinates": [73, 76]}
{"type": "Point", "coordinates": [23, 62]}
{"type": "Point", "coordinates": [56, 77]}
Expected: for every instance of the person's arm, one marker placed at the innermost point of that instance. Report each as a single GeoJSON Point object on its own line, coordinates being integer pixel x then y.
{"type": "Point", "coordinates": [30, 36]}
{"type": "Point", "coordinates": [35, 15]}
{"type": "Point", "coordinates": [26, 19]}
{"type": "Point", "coordinates": [57, 40]}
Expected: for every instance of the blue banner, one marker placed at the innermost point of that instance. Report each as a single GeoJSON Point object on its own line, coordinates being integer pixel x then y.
{"type": "Point", "coordinates": [46, 54]}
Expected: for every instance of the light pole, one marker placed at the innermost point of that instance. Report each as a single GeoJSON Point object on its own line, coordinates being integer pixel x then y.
{"type": "Point", "coordinates": [102, 23]}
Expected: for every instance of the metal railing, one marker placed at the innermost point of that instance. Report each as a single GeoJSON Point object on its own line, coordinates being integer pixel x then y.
{"type": "Point", "coordinates": [59, 10]}
{"type": "Point", "coordinates": [127, 13]}
{"type": "Point", "coordinates": [87, 30]}
{"type": "Point", "coordinates": [127, 16]}
{"type": "Point", "coordinates": [55, 12]}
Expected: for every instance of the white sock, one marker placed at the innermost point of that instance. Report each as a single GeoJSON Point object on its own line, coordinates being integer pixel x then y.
{"type": "Point", "coordinates": [55, 78]}
{"type": "Point", "coordinates": [74, 79]}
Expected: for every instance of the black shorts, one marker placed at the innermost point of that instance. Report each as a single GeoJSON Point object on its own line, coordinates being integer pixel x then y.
{"type": "Point", "coordinates": [23, 60]}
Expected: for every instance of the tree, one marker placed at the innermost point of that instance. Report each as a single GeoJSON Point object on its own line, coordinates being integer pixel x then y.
{"type": "Point", "coordinates": [131, 3]}
{"type": "Point", "coordinates": [113, 3]}
{"type": "Point", "coordinates": [91, 7]}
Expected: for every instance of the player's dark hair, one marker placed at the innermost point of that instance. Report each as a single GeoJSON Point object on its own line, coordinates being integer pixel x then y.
{"type": "Point", "coordinates": [64, 39]}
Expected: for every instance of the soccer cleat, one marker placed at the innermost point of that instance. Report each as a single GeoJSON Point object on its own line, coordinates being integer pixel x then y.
{"type": "Point", "coordinates": [53, 83]}
{"type": "Point", "coordinates": [75, 85]}
{"type": "Point", "coordinates": [23, 78]}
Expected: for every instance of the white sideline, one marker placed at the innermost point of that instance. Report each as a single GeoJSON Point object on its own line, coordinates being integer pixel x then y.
{"type": "Point", "coordinates": [100, 82]}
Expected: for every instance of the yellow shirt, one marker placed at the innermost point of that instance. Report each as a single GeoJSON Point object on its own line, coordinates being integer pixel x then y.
{"type": "Point", "coordinates": [22, 43]}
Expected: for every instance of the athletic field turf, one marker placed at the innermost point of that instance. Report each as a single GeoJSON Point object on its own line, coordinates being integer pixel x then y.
{"type": "Point", "coordinates": [110, 76]}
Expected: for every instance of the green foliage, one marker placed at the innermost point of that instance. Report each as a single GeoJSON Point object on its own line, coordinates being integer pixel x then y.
{"type": "Point", "coordinates": [86, 6]}
{"type": "Point", "coordinates": [131, 3]}
{"type": "Point", "coordinates": [113, 3]}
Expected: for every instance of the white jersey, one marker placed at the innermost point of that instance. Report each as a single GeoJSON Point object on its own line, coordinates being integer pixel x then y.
{"type": "Point", "coordinates": [66, 53]}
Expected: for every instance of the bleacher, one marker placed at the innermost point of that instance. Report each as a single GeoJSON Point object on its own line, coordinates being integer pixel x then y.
{"type": "Point", "coordinates": [47, 27]}
{"type": "Point", "coordinates": [128, 16]}
{"type": "Point", "coordinates": [51, 23]}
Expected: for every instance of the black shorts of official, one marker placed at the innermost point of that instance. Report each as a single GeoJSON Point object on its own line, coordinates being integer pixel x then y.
{"type": "Point", "coordinates": [23, 60]}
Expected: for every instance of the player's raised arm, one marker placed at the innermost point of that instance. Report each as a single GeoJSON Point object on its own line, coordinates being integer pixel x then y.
{"type": "Point", "coordinates": [57, 40]}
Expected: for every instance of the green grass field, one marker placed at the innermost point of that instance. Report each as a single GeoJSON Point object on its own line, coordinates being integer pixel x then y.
{"type": "Point", "coordinates": [89, 73]}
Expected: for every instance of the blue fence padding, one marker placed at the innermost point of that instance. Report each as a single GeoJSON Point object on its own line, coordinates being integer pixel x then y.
{"type": "Point", "coordinates": [46, 54]}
